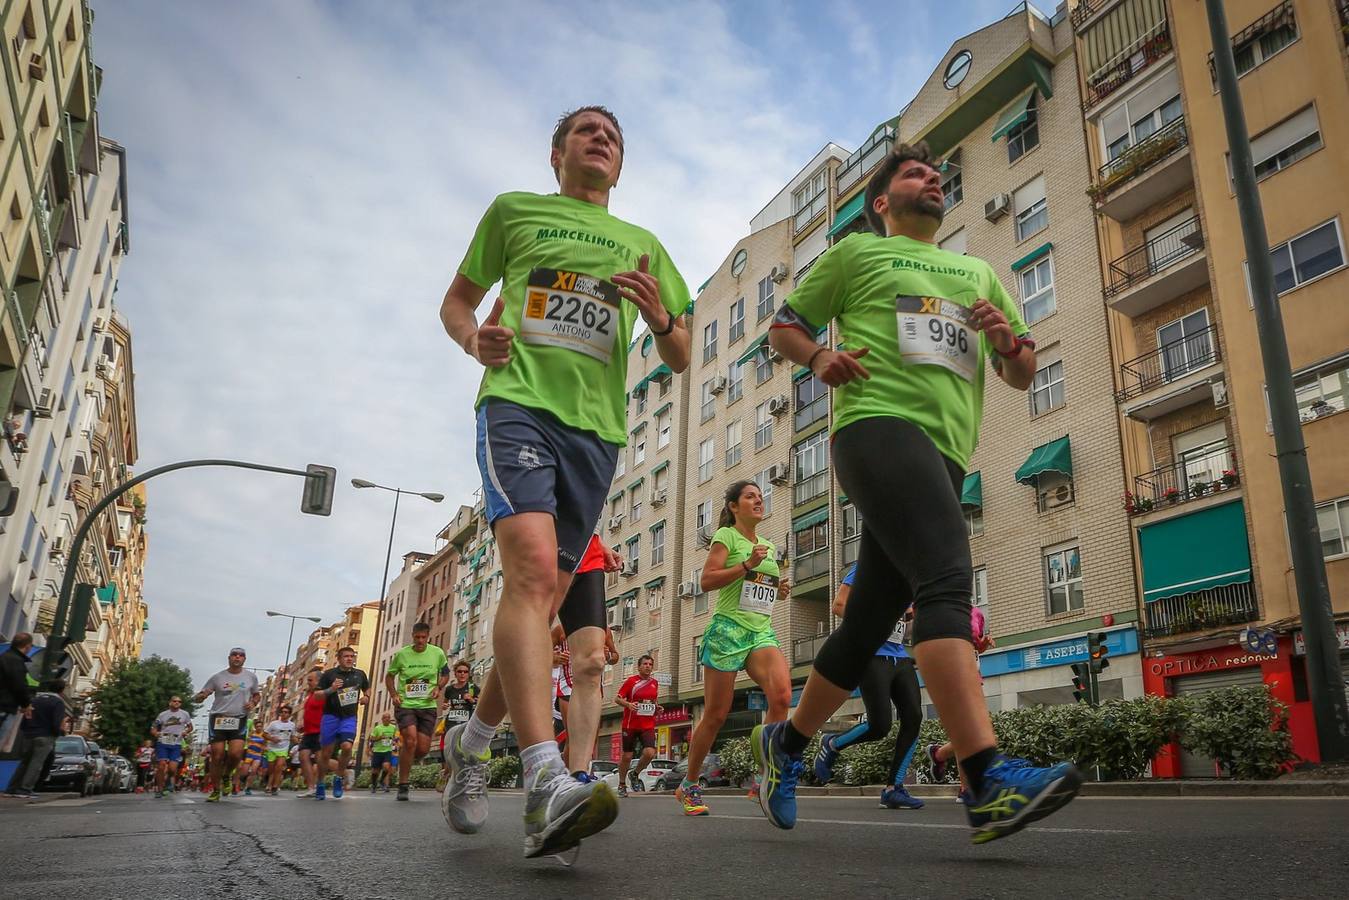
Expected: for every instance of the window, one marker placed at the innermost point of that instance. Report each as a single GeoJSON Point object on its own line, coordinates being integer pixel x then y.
{"type": "Point", "coordinates": [1186, 344]}
{"type": "Point", "coordinates": [766, 489]}
{"type": "Point", "coordinates": [733, 437]}
{"type": "Point", "coordinates": [1063, 578]}
{"type": "Point", "coordinates": [765, 307]}
{"type": "Point", "coordinates": [763, 427]}
{"type": "Point", "coordinates": [1144, 112]}
{"type": "Point", "coordinates": [634, 550]}
{"type": "Point", "coordinates": [980, 595]}
{"type": "Point", "coordinates": [709, 402]}
{"type": "Point", "coordinates": [1032, 215]}
{"type": "Point", "coordinates": [1322, 390]}
{"type": "Point", "coordinates": [639, 399]}
{"type": "Point", "coordinates": [639, 447]}
{"type": "Point", "coordinates": [737, 329]}
{"type": "Point", "coordinates": [810, 200]}
{"type": "Point", "coordinates": [635, 507]}
{"type": "Point", "coordinates": [663, 428]}
{"type": "Point", "coordinates": [812, 401]}
{"type": "Point", "coordinates": [704, 518]}
{"type": "Point", "coordinates": [735, 382]}
{"type": "Point", "coordinates": [974, 521]}
{"type": "Point", "coordinates": [952, 189]}
{"type": "Point", "coordinates": [664, 382]}
{"type": "Point", "coordinates": [706, 450]}
{"type": "Point", "coordinates": [1025, 135]}
{"type": "Point", "coordinates": [710, 341]}
{"type": "Point", "coordinates": [852, 534]}
{"type": "Point", "coordinates": [1046, 390]}
{"type": "Point", "coordinates": [660, 478]}
{"type": "Point", "coordinates": [1260, 42]}
{"type": "Point", "coordinates": [698, 654]}
{"type": "Point", "coordinates": [956, 242]}
{"type": "Point", "coordinates": [1333, 520]}
{"type": "Point", "coordinates": [812, 468]}
{"type": "Point", "coordinates": [1307, 256]}
{"type": "Point", "coordinates": [622, 465]}
{"type": "Point", "coordinates": [658, 544]}
{"type": "Point", "coordinates": [812, 552]}
{"type": "Point", "coordinates": [763, 366]}
{"type": "Point", "coordinates": [1279, 147]}
{"type": "Point", "coordinates": [629, 621]}
{"type": "Point", "coordinates": [1037, 289]}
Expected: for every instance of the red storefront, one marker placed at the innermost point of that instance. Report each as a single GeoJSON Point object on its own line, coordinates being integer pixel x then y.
{"type": "Point", "coordinates": [673, 727]}
{"type": "Point", "coordinates": [1200, 671]}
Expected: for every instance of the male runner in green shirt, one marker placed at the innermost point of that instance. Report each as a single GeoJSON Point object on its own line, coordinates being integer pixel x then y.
{"type": "Point", "coordinates": [551, 422]}
{"type": "Point", "coordinates": [381, 754]}
{"type": "Point", "coordinates": [417, 674]}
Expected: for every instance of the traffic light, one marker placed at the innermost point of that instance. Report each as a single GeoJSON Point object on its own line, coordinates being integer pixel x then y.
{"type": "Point", "coordinates": [1097, 652]}
{"type": "Point", "coordinates": [79, 613]}
{"type": "Point", "coordinates": [1081, 682]}
{"type": "Point", "coordinates": [318, 490]}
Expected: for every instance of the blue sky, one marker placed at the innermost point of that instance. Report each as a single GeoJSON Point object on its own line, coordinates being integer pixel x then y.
{"type": "Point", "coordinates": [304, 179]}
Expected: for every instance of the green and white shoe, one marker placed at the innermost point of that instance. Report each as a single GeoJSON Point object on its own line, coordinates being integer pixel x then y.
{"type": "Point", "coordinates": [560, 812]}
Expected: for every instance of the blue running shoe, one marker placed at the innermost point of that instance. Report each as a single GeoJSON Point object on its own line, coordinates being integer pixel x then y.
{"type": "Point", "coordinates": [898, 798]}
{"type": "Point", "coordinates": [337, 787]}
{"type": "Point", "coordinates": [825, 759]}
{"type": "Point", "coordinates": [938, 766]}
{"type": "Point", "coordinates": [320, 790]}
{"type": "Point", "coordinates": [963, 797]}
{"type": "Point", "coordinates": [1016, 794]}
{"type": "Point", "coordinates": [780, 773]}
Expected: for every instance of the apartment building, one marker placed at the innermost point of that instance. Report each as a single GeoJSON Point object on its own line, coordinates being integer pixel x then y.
{"type": "Point", "coordinates": [318, 649]}
{"type": "Point", "coordinates": [395, 628]}
{"type": "Point", "coordinates": [477, 587]}
{"type": "Point", "coordinates": [1205, 497]}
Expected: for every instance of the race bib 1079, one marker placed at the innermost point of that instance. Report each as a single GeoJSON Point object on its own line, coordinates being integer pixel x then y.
{"type": "Point", "coordinates": [758, 593]}
{"type": "Point", "coordinates": [937, 332]}
{"type": "Point", "coordinates": [572, 310]}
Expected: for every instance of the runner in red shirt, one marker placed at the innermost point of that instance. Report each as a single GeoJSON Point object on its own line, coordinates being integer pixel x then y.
{"type": "Point", "coordinates": [309, 740]}
{"type": "Point", "coordinates": [637, 696]}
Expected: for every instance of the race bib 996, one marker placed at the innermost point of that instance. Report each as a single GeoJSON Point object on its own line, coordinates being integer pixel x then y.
{"type": "Point", "coordinates": [937, 332]}
{"type": "Point", "coordinates": [571, 310]}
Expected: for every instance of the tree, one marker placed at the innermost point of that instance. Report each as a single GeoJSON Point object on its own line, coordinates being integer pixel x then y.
{"type": "Point", "coordinates": [134, 692]}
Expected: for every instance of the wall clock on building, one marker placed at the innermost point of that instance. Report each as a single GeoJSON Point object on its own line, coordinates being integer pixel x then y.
{"type": "Point", "coordinates": [957, 69]}
{"type": "Point", "coordinates": [738, 263]}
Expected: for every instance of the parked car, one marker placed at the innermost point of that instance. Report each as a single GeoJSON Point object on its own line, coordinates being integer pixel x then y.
{"type": "Point", "coordinates": [712, 774]}
{"type": "Point", "coordinates": [606, 771]}
{"type": "Point", "coordinates": [648, 777]}
{"type": "Point", "coordinates": [73, 767]}
{"type": "Point", "coordinates": [126, 775]}
{"type": "Point", "coordinates": [103, 781]}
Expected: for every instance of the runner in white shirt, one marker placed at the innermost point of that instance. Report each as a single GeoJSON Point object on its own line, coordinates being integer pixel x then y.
{"type": "Point", "coordinates": [279, 732]}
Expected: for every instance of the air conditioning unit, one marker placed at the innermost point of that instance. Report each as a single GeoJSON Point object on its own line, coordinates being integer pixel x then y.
{"type": "Point", "coordinates": [779, 405]}
{"type": "Point", "coordinates": [1060, 495]}
{"type": "Point", "coordinates": [718, 384]}
{"type": "Point", "coordinates": [629, 567]}
{"type": "Point", "coordinates": [778, 273]}
{"type": "Point", "coordinates": [688, 589]}
{"type": "Point", "coordinates": [43, 409]}
{"type": "Point", "coordinates": [659, 496]}
{"type": "Point", "coordinates": [996, 208]}
{"type": "Point", "coordinates": [778, 473]}
{"type": "Point", "coordinates": [615, 618]}
{"type": "Point", "coordinates": [774, 356]}
{"type": "Point", "coordinates": [1219, 394]}
{"type": "Point", "coordinates": [37, 66]}
{"type": "Point", "coordinates": [58, 547]}
{"type": "Point", "coordinates": [615, 522]}
{"type": "Point", "coordinates": [104, 366]}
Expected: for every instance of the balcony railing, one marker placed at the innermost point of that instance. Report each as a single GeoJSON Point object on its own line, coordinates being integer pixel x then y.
{"type": "Point", "coordinates": [806, 649]}
{"type": "Point", "coordinates": [1085, 10]}
{"type": "Point", "coordinates": [811, 565]}
{"type": "Point", "coordinates": [1171, 246]}
{"type": "Point", "coordinates": [808, 489]}
{"type": "Point", "coordinates": [1167, 363]}
{"type": "Point", "coordinates": [867, 157]}
{"type": "Point", "coordinates": [1128, 64]}
{"type": "Point", "coordinates": [1211, 471]}
{"type": "Point", "coordinates": [1232, 604]}
{"type": "Point", "coordinates": [810, 212]}
{"type": "Point", "coordinates": [1162, 144]}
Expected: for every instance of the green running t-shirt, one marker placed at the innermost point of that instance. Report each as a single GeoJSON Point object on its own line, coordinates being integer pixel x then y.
{"type": "Point", "coordinates": [747, 601]}
{"type": "Point", "coordinates": [416, 674]}
{"type": "Point", "coordinates": [554, 256]}
{"type": "Point", "coordinates": [383, 736]}
{"type": "Point", "coordinates": [907, 301]}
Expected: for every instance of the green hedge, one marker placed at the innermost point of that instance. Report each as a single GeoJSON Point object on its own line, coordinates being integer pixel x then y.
{"type": "Point", "coordinates": [1244, 728]}
{"type": "Point", "coordinates": [503, 771]}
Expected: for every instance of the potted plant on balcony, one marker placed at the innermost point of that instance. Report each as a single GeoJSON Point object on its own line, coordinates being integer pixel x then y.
{"type": "Point", "coordinates": [1229, 478]}
{"type": "Point", "coordinates": [1144, 504]}
{"type": "Point", "coordinates": [1130, 506]}
{"type": "Point", "coordinates": [1198, 488]}
{"type": "Point", "coordinates": [1171, 495]}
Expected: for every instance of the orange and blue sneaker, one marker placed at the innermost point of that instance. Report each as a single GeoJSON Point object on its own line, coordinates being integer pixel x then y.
{"type": "Point", "coordinates": [1015, 794]}
{"type": "Point", "coordinates": [779, 773]}
{"type": "Point", "coordinates": [690, 797]}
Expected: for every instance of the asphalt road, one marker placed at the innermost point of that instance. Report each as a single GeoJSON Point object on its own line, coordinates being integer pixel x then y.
{"type": "Point", "coordinates": [371, 847]}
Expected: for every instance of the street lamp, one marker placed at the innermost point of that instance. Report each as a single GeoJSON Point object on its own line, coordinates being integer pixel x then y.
{"type": "Point", "coordinates": [271, 613]}
{"type": "Point", "coordinates": [384, 584]}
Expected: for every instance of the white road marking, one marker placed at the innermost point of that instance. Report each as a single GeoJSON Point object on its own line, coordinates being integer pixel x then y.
{"type": "Point", "coordinates": [927, 825]}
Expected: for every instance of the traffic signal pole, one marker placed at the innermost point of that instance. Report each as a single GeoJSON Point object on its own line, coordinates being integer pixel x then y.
{"type": "Point", "coordinates": [317, 499]}
{"type": "Point", "coordinates": [1324, 679]}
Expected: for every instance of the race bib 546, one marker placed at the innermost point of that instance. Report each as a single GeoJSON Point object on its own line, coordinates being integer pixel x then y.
{"type": "Point", "coordinates": [572, 310]}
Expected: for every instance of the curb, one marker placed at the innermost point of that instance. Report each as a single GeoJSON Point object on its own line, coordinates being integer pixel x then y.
{"type": "Point", "coordinates": [1140, 789]}
{"type": "Point", "coordinates": [40, 798]}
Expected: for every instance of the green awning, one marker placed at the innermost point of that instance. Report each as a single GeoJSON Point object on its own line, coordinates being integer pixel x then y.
{"type": "Point", "coordinates": [1195, 552]}
{"type": "Point", "coordinates": [475, 592]}
{"type": "Point", "coordinates": [627, 595]}
{"type": "Point", "coordinates": [1014, 115]}
{"type": "Point", "coordinates": [972, 492]}
{"type": "Point", "coordinates": [655, 582]}
{"type": "Point", "coordinates": [812, 518]}
{"type": "Point", "coordinates": [107, 595]}
{"type": "Point", "coordinates": [1043, 78]}
{"type": "Point", "coordinates": [653, 527]}
{"type": "Point", "coordinates": [476, 556]}
{"type": "Point", "coordinates": [657, 373]}
{"type": "Point", "coordinates": [640, 426]}
{"type": "Point", "coordinates": [753, 348]}
{"type": "Point", "coordinates": [1056, 456]}
{"type": "Point", "coordinates": [702, 287]}
{"type": "Point", "coordinates": [844, 217]}
{"type": "Point", "coordinates": [661, 409]}
{"type": "Point", "coordinates": [661, 467]}
{"type": "Point", "coordinates": [636, 484]}
{"type": "Point", "coordinates": [1032, 256]}
{"type": "Point", "coordinates": [459, 639]}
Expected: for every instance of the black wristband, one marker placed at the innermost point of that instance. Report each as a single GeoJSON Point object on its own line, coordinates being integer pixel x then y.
{"type": "Point", "coordinates": [810, 364]}
{"type": "Point", "coordinates": [669, 326]}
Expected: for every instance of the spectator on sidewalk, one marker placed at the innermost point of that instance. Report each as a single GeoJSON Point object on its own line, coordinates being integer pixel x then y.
{"type": "Point", "coordinates": [15, 694]}
{"type": "Point", "coordinates": [37, 739]}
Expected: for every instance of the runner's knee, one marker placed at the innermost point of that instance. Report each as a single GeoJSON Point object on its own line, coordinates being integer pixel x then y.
{"type": "Point", "coordinates": [942, 605]}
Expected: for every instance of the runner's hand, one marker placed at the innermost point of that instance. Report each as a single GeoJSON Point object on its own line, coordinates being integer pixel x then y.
{"type": "Point", "coordinates": [757, 555]}
{"type": "Point", "coordinates": [491, 343]}
{"type": "Point", "coordinates": [642, 290]}
{"type": "Point", "coordinates": [612, 561]}
{"type": "Point", "coordinates": [838, 367]}
{"type": "Point", "coordinates": [784, 588]}
{"type": "Point", "coordinates": [336, 685]}
{"type": "Point", "coordinates": [990, 320]}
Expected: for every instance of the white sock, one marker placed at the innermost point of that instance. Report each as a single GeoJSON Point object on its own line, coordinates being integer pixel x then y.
{"type": "Point", "coordinates": [477, 736]}
{"type": "Point", "coordinates": [540, 755]}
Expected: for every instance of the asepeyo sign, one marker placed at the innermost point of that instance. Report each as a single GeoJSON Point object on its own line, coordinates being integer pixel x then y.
{"type": "Point", "coordinates": [1341, 632]}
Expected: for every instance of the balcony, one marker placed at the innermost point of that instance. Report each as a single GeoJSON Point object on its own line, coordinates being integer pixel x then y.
{"type": "Point", "coordinates": [810, 213]}
{"type": "Point", "coordinates": [1232, 604]}
{"type": "Point", "coordinates": [1086, 10]}
{"type": "Point", "coordinates": [1127, 65]}
{"type": "Point", "coordinates": [1175, 375]}
{"type": "Point", "coordinates": [867, 157]}
{"type": "Point", "coordinates": [1208, 471]}
{"type": "Point", "coordinates": [808, 489]}
{"type": "Point", "coordinates": [1168, 265]}
{"type": "Point", "coordinates": [1145, 174]}
{"type": "Point", "coordinates": [811, 565]}
{"type": "Point", "coordinates": [806, 649]}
